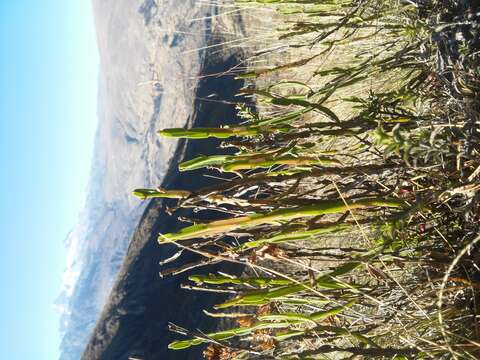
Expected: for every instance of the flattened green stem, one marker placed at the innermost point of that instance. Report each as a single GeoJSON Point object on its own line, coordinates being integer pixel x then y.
{"type": "Point", "coordinates": [331, 329]}
{"type": "Point", "coordinates": [260, 297]}
{"type": "Point", "coordinates": [161, 193]}
{"type": "Point", "coordinates": [319, 208]}
{"type": "Point", "coordinates": [227, 334]}
{"type": "Point", "coordinates": [285, 321]}
{"type": "Point", "coordinates": [254, 281]}
{"type": "Point", "coordinates": [266, 162]}
{"type": "Point", "coordinates": [202, 162]}
{"type": "Point", "coordinates": [231, 163]}
{"type": "Point", "coordinates": [203, 133]}
{"type": "Point", "coordinates": [312, 318]}
{"type": "Point", "coordinates": [295, 173]}
{"type": "Point", "coordinates": [295, 236]}
{"type": "Point", "coordinates": [182, 194]}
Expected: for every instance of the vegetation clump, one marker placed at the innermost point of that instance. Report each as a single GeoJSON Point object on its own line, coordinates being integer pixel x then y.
{"type": "Point", "coordinates": [352, 197]}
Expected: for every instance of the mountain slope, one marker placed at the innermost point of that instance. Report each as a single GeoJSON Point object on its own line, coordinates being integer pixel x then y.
{"type": "Point", "coordinates": [147, 81]}
{"type": "Point", "coordinates": [134, 321]}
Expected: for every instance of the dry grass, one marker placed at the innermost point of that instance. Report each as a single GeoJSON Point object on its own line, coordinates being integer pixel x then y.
{"type": "Point", "coordinates": [352, 198]}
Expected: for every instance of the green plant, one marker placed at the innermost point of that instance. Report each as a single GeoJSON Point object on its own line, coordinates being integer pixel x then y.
{"type": "Point", "coordinates": [355, 200]}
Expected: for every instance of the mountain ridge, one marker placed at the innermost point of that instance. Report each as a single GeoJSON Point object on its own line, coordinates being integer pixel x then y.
{"type": "Point", "coordinates": [134, 322]}
{"type": "Point", "coordinates": [137, 95]}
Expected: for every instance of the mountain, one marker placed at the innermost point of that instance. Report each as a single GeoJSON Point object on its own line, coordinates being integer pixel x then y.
{"type": "Point", "coordinates": [150, 61]}
{"type": "Point", "coordinates": [134, 321]}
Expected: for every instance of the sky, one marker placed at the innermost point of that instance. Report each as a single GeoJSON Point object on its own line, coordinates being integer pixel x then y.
{"type": "Point", "coordinates": [48, 94]}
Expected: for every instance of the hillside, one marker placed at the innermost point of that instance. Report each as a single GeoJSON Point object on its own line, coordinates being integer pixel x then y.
{"type": "Point", "coordinates": [147, 80]}
{"type": "Point", "coordinates": [135, 320]}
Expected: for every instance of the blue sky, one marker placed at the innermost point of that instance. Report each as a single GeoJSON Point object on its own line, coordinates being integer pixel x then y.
{"type": "Point", "coordinates": [48, 92]}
